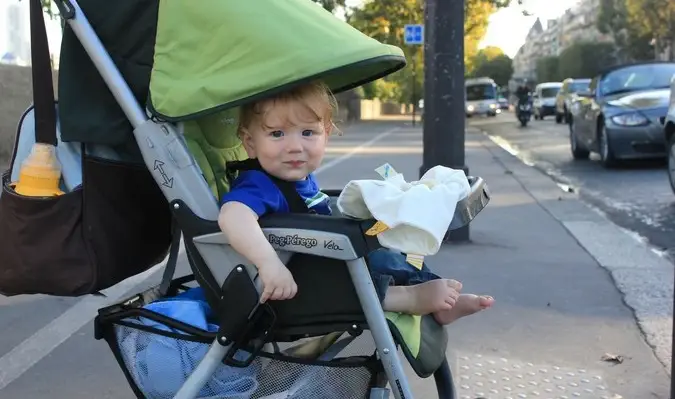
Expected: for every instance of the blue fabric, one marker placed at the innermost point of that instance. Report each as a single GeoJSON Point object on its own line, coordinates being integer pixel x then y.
{"type": "Point", "coordinates": [389, 268]}
{"type": "Point", "coordinates": [163, 364]}
{"type": "Point", "coordinates": [256, 190]}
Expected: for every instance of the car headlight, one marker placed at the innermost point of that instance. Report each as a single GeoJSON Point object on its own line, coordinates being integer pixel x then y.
{"type": "Point", "coordinates": [469, 108]}
{"type": "Point", "coordinates": [493, 106]}
{"type": "Point", "coordinates": [630, 119]}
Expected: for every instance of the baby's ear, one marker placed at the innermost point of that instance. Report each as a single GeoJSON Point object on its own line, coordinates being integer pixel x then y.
{"type": "Point", "coordinates": [247, 140]}
{"type": "Point", "coordinates": [328, 126]}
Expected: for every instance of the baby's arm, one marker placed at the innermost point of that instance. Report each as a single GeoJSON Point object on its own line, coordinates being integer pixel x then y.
{"type": "Point", "coordinates": [240, 225]}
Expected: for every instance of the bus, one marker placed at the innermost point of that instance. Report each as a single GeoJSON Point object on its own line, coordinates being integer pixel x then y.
{"type": "Point", "coordinates": [481, 97]}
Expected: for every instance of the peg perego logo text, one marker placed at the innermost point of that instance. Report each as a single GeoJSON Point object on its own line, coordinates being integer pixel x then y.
{"type": "Point", "coordinates": [282, 241]}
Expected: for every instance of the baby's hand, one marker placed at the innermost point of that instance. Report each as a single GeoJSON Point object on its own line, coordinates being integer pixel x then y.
{"type": "Point", "coordinates": [277, 280]}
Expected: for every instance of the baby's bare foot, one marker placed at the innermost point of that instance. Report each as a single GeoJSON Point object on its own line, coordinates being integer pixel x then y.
{"type": "Point", "coordinates": [420, 299]}
{"type": "Point", "coordinates": [466, 304]}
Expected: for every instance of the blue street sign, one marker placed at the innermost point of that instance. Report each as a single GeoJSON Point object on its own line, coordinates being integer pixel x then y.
{"type": "Point", "coordinates": [414, 34]}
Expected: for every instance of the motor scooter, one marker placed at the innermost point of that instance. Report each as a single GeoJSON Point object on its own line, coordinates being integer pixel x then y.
{"type": "Point", "coordinates": [524, 112]}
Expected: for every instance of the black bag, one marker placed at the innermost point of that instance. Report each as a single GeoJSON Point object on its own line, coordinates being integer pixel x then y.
{"type": "Point", "coordinates": [115, 225]}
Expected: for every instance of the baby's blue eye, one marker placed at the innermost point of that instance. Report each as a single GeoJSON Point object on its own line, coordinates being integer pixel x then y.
{"type": "Point", "coordinates": [307, 132]}
{"type": "Point", "coordinates": [277, 133]}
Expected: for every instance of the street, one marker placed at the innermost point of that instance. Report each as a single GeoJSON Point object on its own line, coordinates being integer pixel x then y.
{"type": "Point", "coordinates": [561, 327]}
{"type": "Point", "coordinates": [636, 196]}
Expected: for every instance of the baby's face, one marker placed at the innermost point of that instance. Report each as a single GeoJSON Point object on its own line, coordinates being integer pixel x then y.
{"type": "Point", "coordinates": [291, 142]}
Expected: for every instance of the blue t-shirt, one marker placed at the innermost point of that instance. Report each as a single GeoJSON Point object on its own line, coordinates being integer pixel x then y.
{"type": "Point", "coordinates": [256, 190]}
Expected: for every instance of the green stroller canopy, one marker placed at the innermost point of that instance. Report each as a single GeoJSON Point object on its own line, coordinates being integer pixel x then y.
{"type": "Point", "coordinates": [215, 54]}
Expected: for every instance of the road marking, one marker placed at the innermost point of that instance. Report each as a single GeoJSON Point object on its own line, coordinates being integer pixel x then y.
{"type": "Point", "coordinates": [29, 352]}
{"type": "Point", "coordinates": [25, 355]}
{"type": "Point", "coordinates": [355, 151]}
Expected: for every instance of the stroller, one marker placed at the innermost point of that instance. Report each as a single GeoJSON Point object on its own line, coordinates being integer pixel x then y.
{"type": "Point", "coordinates": [194, 63]}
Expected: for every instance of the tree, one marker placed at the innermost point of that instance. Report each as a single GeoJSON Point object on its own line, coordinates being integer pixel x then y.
{"type": "Point", "coordinates": [585, 59]}
{"type": "Point", "coordinates": [492, 62]}
{"type": "Point", "coordinates": [384, 20]}
{"type": "Point", "coordinates": [548, 69]}
{"type": "Point", "coordinates": [476, 18]}
{"type": "Point", "coordinates": [656, 19]}
{"type": "Point", "coordinates": [631, 44]}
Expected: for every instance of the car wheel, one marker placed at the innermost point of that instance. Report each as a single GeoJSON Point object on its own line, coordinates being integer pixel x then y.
{"type": "Point", "coordinates": [577, 152]}
{"type": "Point", "coordinates": [671, 162]}
{"type": "Point", "coordinates": [606, 155]}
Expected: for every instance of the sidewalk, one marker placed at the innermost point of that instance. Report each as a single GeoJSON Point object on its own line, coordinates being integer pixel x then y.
{"type": "Point", "coordinates": [557, 311]}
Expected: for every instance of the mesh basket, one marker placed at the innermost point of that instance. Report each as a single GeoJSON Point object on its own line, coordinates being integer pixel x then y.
{"type": "Point", "coordinates": [158, 361]}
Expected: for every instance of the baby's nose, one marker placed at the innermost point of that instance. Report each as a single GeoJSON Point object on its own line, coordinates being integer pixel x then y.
{"type": "Point", "coordinates": [294, 145]}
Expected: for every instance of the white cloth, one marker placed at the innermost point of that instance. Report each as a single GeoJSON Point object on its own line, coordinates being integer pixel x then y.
{"type": "Point", "coordinates": [418, 213]}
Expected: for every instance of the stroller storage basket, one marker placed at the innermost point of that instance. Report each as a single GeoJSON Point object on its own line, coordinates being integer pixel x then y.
{"type": "Point", "coordinates": [157, 355]}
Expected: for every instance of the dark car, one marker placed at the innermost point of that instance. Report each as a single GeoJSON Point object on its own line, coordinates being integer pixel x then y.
{"type": "Point", "coordinates": [620, 116]}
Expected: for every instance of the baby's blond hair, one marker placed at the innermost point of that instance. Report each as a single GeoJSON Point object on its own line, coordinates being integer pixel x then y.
{"type": "Point", "coordinates": [315, 96]}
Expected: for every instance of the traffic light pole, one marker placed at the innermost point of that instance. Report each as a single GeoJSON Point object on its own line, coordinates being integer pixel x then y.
{"type": "Point", "coordinates": [444, 93]}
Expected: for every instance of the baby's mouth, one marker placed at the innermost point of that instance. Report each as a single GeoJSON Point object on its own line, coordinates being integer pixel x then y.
{"type": "Point", "coordinates": [295, 164]}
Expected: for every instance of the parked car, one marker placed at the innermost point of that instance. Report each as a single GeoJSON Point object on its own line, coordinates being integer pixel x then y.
{"type": "Point", "coordinates": [620, 116]}
{"type": "Point", "coordinates": [669, 135]}
{"type": "Point", "coordinates": [544, 99]}
{"type": "Point", "coordinates": [566, 95]}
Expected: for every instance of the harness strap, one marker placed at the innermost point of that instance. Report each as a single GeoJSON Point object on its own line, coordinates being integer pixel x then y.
{"type": "Point", "coordinates": [295, 202]}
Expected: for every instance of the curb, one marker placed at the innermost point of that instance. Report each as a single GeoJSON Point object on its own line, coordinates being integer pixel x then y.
{"type": "Point", "coordinates": [644, 278]}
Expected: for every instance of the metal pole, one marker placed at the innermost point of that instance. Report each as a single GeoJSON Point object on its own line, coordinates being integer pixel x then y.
{"type": "Point", "coordinates": [413, 94]}
{"type": "Point", "coordinates": [444, 93]}
{"type": "Point", "coordinates": [414, 75]}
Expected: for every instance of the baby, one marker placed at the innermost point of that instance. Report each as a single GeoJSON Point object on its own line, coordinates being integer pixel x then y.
{"type": "Point", "coordinates": [285, 136]}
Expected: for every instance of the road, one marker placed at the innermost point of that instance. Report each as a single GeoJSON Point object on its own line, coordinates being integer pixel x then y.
{"type": "Point", "coordinates": [557, 314]}
{"type": "Point", "coordinates": [636, 196]}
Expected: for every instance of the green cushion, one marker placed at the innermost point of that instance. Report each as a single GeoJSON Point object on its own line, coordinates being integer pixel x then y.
{"type": "Point", "coordinates": [213, 141]}
{"type": "Point", "coordinates": [422, 340]}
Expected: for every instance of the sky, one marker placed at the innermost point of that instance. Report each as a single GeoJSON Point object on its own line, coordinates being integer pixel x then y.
{"type": "Point", "coordinates": [508, 27]}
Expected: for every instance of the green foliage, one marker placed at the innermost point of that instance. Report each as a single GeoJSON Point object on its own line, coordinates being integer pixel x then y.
{"type": "Point", "coordinates": [585, 59]}
{"type": "Point", "coordinates": [580, 60]}
{"type": "Point", "coordinates": [632, 43]}
{"type": "Point", "coordinates": [654, 19]}
{"type": "Point", "coordinates": [384, 20]}
{"type": "Point", "coordinates": [492, 62]}
{"type": "Point", "coordinates": [548, 70]}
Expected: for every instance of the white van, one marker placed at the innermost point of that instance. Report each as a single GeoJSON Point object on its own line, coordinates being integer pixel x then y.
{"type": "Point", "coordinates": [544, 99]}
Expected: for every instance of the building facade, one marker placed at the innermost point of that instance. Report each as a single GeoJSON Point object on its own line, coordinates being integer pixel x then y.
{"type": "Point", "coordinates": [577, 24]}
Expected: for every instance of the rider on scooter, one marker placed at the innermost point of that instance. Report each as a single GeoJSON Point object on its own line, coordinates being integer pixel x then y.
{"type": "Point", "coordinates": [523, 96]}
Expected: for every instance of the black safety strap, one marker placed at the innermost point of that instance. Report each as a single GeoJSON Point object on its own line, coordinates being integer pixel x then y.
{"type": "Point", "coordinates": [43, 87]}
{"type": "Point", "coordinates": [295, 202]}
{"type": "Point", "coordinates": [170, 267]}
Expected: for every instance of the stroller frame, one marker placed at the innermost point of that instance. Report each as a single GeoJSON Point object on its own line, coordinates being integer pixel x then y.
{"type": "Point", "coordinates": [180, 179]}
